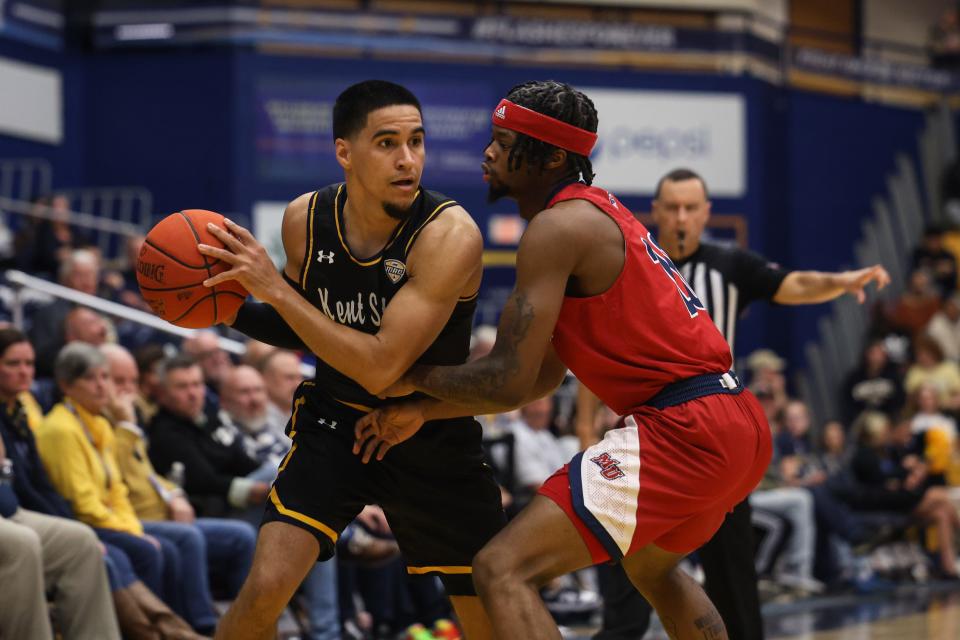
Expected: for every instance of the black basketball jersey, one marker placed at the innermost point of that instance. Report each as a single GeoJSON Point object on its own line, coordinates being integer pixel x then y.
{"type": "Point", "coordinates": [355, 290]}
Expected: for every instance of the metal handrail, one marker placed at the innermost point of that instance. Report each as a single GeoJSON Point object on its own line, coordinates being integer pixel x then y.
{"type": "Point", "coordinates": [21, 280]}
{"type": "Point", "coordinates": [77, 218]}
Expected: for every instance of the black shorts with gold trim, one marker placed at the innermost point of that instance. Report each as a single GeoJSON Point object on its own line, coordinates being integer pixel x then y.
{"type": "Point", "coordinates": [439, 496]}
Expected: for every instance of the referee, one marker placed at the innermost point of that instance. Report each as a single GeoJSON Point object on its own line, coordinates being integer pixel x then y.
{"type": "Point", "coordinates": [726, 279]}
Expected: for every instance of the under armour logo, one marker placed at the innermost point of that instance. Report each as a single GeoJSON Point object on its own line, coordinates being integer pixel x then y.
{"type": "Point", "coordinates": [321, 256]}
{"type": "Point", "coordinates": [501, 112]}
{"type": "Point", "coordinates": [323, 423]}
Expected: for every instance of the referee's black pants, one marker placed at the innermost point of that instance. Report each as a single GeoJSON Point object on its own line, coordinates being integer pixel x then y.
{"type": "Point", "coordinates": [731, 583]}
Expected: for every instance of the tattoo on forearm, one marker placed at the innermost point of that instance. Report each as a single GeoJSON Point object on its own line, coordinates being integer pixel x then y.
{"type": "Point", "coordinates": [476, 383]}
{"type": "Point", "coordinates": [711, 626]}
{"type": "Point", "coordinates": [670, 626]}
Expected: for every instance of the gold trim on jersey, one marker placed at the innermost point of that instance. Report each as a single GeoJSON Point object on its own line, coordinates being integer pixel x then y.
{"type": "Point", "coordinates": [447, 570]}
{"type": "Point", "coordinates": [286, 458]}
{"type": "Point", "coordinates": [343, 243]}
{"type": "Point", "coordinates": [440, 207]}
{"type": "Point", "coordinates": [358, 407]}
{"type": "Point", "coordinates": [299, 402]}
{"type": "Point", "coordinates": [309, 257]}
{"type": "Point", "coordinates": [290, 513]}
{"type": "Point", "coordinates": [469, 298]}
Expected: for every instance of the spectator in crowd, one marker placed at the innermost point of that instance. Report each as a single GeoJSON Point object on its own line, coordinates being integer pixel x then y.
{"type": "Point", "coordinates": [204, 347]}
{"type": "Point", "coordinates": [282, 375]}
{"type": "Point", "coordinates": [80, 270]}
{"type": "Point", "coordinates": [41, 554]}
{"type": "Point", "coordinates": [141, 614]}
{"type": "Point", "coordinates": [932, 257]}
{"type": "Point", "coordinates": [215, 463]}
{"type": "Point", "coordinates": [76, 445]}
{"type": "Point", "coordinates": [901, 485]}
{"type": "Point", "coordinates": [876, 385]}
{"type": "Point", "coordinates": [160, 504]}
{"type": "Point", "coordinates": [768, 382]}
{"type": "Point", "coordinates": [933, 433]}
{"type": "Point", "coordinates": [85, 325]}
{"type": "Point", "coordinates": [121, 283]}
{"type": "Point", "coordinates": [148, 360]}
{"type": "Point", "coordinates": [257, 352]}
{"type": "Point", "coordinates": [47, 239]}
{"type": "Point", "coordinates": [913, 310]}
{"type": "Point", "coordinates": [931, 368]}
{"type": "Point", "coordinates": [834, 456]}
{"type": "Point", "coordinates": [944, 328]}
{"type": "Point", "coordinates": [244, 399]}
{"type": "Point", "coordinates": [537, 452]}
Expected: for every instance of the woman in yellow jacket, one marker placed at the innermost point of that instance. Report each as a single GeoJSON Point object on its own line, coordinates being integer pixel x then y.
{"type": "Point", "coordinates": [76, 445]}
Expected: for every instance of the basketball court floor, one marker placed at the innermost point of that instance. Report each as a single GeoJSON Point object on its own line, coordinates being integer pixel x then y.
{"type": "Point", "coordinates": [909, 613]}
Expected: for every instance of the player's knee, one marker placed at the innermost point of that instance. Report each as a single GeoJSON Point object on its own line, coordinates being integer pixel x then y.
{"type": "Point", "coordinates": [493, 566]}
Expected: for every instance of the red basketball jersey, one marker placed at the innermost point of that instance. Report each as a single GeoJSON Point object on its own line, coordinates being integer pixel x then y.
{"type": "Point", "coordinates": [647, 330]}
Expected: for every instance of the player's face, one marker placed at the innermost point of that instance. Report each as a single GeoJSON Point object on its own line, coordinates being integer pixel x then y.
{"type": "Point", "coordinates": [16, 369]}
{"type": "Point", "coordinates": [496, 173]}
{"type": "Point", "coordinates": [681, 211]}
{"type": "Point", "coordinates": [386, 157]}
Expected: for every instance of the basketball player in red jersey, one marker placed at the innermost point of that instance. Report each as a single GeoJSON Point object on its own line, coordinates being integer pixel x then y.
{"type": "Point", "coordinates": [595, 293]}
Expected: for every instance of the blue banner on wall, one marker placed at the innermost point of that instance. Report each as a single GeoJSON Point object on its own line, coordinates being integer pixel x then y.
{"type": "Point", "coordinates": [294, 138]}
{"type": "Point", "coordinates": [36, 22]}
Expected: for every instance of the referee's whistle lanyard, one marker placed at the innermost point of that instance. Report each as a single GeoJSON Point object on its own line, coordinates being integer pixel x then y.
{"type": "Point", "coordinates": [86, 430]}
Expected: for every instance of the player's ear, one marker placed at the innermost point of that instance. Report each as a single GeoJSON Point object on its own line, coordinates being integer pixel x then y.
{"type": "Point", "coordinates": [557, 159]}
{"type": "Point", "coordinates": [342, 152]}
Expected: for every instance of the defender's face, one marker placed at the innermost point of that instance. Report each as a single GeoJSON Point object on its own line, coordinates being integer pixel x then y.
{"type": "Point", "coordinates": [496, 172]}
{"type": "Point", "coordinates": [386, 157]}
{"type": "Point", "coordinates": [681, 211]}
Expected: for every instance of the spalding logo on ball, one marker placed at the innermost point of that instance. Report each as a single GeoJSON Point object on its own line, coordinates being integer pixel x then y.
{"type": "Point", "coordinates": [171, 271]}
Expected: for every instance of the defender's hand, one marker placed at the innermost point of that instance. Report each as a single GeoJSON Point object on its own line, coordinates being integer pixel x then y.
{"type": "Point", "coordinates": [384, 428]}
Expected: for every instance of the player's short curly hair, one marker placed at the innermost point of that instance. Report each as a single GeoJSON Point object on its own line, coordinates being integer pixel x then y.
{"type": "Point", "coordinates": [557, 100]}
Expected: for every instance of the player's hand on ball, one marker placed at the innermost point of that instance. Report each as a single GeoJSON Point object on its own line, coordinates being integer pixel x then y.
{"type": "Point", "coordinates": [384, 428]}
{"type": "Point", "coordinates": [250, 264]}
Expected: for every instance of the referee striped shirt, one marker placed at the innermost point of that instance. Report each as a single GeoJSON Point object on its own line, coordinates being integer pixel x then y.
{"type": "Point", "coordinates": [727, 279]}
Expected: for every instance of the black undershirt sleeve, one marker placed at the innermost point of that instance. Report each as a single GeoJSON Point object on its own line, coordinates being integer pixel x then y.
{"type": "Point", "coordinates": [262, 322]}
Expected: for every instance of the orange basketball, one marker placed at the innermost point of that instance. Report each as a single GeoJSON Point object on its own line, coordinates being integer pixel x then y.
{"type": "Point", "coordinates": [171, 271]}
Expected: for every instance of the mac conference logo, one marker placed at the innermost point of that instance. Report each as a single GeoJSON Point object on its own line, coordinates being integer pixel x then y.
{"type": "Point", "coordinates": [395, 269]}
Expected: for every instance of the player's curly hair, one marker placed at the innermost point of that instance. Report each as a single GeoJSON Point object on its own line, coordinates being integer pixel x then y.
{"type": "Point", "coordinates": [557, 100]}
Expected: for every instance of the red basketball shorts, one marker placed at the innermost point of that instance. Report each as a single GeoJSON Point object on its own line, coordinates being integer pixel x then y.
{"type": "Point", "coordinates": [666, 477]}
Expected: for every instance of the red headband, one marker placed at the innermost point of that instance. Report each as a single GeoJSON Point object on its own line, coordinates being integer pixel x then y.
{"type": "Point", "coordinates": [536, 125]}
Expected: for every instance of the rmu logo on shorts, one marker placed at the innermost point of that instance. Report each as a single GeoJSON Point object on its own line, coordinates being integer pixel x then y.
{"type": "Point", "coordinates": [609, 468]}
{"type": "Point", "coordinates": [395, 269]}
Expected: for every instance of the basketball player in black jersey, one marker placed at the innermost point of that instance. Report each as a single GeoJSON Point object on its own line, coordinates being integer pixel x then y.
{"type": "Point", "coordinates": [380, 274]}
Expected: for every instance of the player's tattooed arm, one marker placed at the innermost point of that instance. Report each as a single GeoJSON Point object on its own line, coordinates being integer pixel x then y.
{"type": "Point", "coordinates": [506, 377]}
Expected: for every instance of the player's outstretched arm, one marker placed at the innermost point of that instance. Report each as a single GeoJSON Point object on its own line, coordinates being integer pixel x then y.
{"type": "Point", "coordinates": [812, 287]}
{"type": "Point", "coordinates": [444, 262]}
{"type": "Point", "coordinates": [502, 380]}
{"type": "Point", "coordinates": [389, 425]}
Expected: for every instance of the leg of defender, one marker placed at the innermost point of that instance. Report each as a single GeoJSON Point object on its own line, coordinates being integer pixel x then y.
{"type": "Point", "coordinates": [509, 571]}
{"type": "Point", "coordinates": [283, 558]}
{"type": "Point", "coordinates": [683, 607]}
